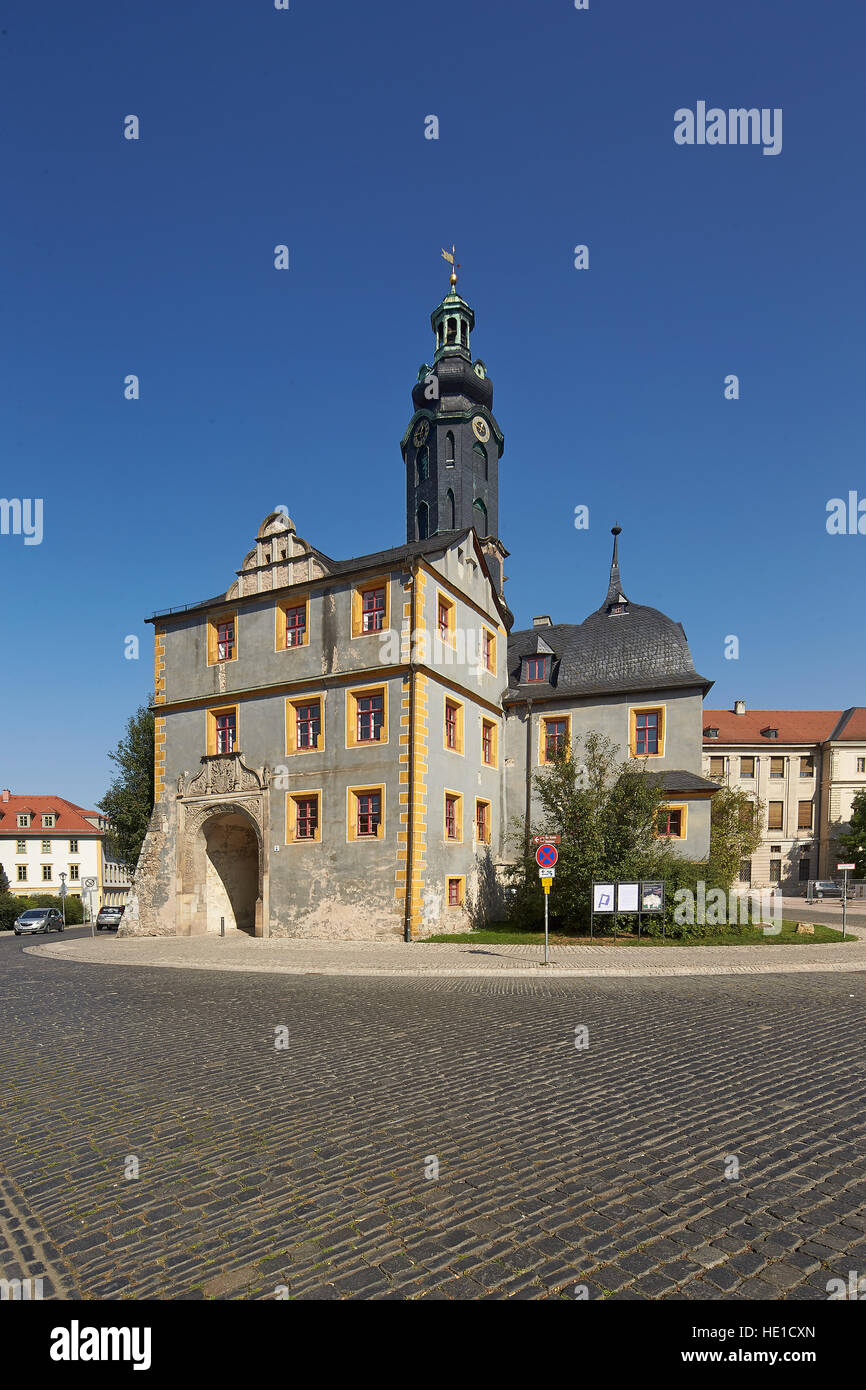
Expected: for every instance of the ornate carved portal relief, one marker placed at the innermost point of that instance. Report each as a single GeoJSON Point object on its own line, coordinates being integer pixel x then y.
{"type": "Point", "coordinates": [221, 773]}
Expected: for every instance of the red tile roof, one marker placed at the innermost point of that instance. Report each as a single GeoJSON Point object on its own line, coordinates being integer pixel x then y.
{"type": "Point", "coordinates": [69, 816]}
{"type": "Point", "coordinates": [854, 724]}
{"type": "Point", "coordinates": [794, 725]}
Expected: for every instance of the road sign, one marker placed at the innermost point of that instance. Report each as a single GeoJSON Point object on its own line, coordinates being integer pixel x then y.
{"type": "Point", "coordinates": [545, 839]}
{"type": "Point", "coordinates": [88, 883]}
{"type": "Point", "coordinates": [840, 867]}
{"type": "Point", "coordinates": [63, 890]}
{"type": "Point", "coordinates": [546, 856]}
{"type": "Point", "coordinates": [546, 886]}
{"type": "Point", "coordinates": [547, 873]}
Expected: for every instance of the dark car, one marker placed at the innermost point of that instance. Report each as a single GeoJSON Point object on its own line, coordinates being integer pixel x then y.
{"type": "Point", "coordinates": [108, 918]}
{"type": "Point", "coordinates": [825, 888]}
{"type": "Point", "coordinates": [37, 919]}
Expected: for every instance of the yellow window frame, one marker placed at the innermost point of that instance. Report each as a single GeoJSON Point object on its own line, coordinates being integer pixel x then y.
{"type": "Point", "coordinates": [292, 819]}
{"type": "Point", "coordinates": [634, 711]}
{"type": "Point", "coordinates": [211, 716]}
{"type": "Point", "coordinates": [281, 624]}
{"type": "Point", "coordinates": [213, 623]}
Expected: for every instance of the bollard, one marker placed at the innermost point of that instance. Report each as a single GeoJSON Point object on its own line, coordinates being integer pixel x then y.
{"type": "Point", "coordinates": [222, 926]}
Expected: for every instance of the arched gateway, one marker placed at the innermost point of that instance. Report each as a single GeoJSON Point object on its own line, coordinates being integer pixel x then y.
{"type": "Point", "coordinates": [222, 871]}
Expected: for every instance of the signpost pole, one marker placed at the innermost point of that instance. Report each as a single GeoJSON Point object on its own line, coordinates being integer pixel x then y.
{"type": "Point", "coordinates": [844, 904]}
{"type": "Point", "coordinates": [546, 901]}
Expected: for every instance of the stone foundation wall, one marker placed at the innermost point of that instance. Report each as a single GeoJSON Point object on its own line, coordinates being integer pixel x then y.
{"type": "Point", "coordinates": [151, 908]}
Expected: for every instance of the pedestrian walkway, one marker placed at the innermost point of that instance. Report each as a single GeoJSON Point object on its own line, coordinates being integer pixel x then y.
{"type": "Point", "coordinates": [291, 956]}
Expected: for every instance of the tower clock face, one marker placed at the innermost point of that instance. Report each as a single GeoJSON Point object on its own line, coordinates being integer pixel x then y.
{"type": "Point", "coordinates": [481, 429]}
{"type": "Point", "coordinates": [422, 429]}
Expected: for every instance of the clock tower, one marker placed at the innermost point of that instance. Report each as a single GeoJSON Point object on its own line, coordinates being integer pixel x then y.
{"type": "Point", "coordinates": [453, 444]}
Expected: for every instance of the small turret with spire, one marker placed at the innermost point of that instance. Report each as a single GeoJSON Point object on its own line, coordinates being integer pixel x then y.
{"type": "Point", "coordinates": [616, 601]}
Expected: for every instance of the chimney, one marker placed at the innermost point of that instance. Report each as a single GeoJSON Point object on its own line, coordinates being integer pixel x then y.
{"type": "Point", "coordinates": [5, 794]}
{"type": "Point", "coordinates": [739, 707]}
{"type": "Point", "coordinates": [543, 620]}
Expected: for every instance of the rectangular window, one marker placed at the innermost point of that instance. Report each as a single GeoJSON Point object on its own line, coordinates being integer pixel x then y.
{"type": "Point", "coordinates": [23, 820]}
{"type": "Point", "coordinates": [306, 817]}
{"type": "Point", "coordinates": [534, 669]}
{"type": "Point", "coordinates": [226, 732]}
{"type": "Point", "coordinates": [775, 871]}
{"type": "Point", "coordinates": [455, 892]}
{"type": "Point", "coordinates": [226, 640]}
{"type": "Point", "coordinates": [446, 617]}
{"type": "Point", "coordinates": [303, 817]}
{"type": "Point", "coordinates": [804, 815]}
{"type": "Point", "coordinates": [308, 726]}
{"type": "Point", "coordinates": [804, 870]}
{"type": "Point", "coordinates": [482, 822]}
{"type": "Point", "coordinates": [366, 716]}
{"type": "Point", "coordinates": [671, 822]}
{"type": "Point", "coordinates": [365, 813]}
{"type": "Point", "coordinates": [555, 739]}
{"type": "Point", "coordinates": [717, 768]}
{"type": "Point", "coordinates": [488, 742]}
{"type": "Point", "coordinates": [450, 724]}
{"type": "Point", "coordinates": [453, 727]}
{"type": "Point", "coordinates": [647, 731]}
{"type": "Point", "coordinates": [488, 649]}
{"type": "Point", "coordinates": [48, 821]}
{"type": "Point", "coordinates": [73, 846]}
{"type": "Point", "coordinates": [46, 873]}
{"type": "Point", "coordinates": [861, 764]}
{"type": "Point", "coordinates": [370, 717]}
{"type": "Point", "coordinates": [22, 873]}
{"type": "Point", "coordinates": [777, 767]}
{"type": "Point", "coordinates": [747, 767]}
{"type": "Point", "coordinates": [807, 767]}
{"type": "Point", "coordinates": [73, 872]}
{"type": "Point", "coordinates": [746, 871]}
{"type": "Point", "coordinates": [774, 815]}
{"type": "Point", "coordinates": [46, 846]}
{"type": "Point", "coordinates": [372, 610]}
{"type": "Point", "coordinates": [222, 729]}
{"type": "Point", "coordinates": [222, 638]}
{"type": "Point", "coordinates": [369, 814]}
{"type": "Point", "coordinates": [20, 846]}
{"type": "Point", "coordinates": [296, 626]}
{"type": "Point", "coordinates": [370, 604]}
{"type": "Point", "coordinates": [452, 816]}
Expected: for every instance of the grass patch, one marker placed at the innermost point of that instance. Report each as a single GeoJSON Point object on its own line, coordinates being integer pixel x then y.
{"type": "Point", "coordinates": [736, 936]}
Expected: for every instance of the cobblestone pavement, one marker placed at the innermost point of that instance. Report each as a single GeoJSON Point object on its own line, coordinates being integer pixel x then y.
{"type": "Point", "coordinates": [303, 1168]}
{"type": "Point", "coordinates": [238, 951]}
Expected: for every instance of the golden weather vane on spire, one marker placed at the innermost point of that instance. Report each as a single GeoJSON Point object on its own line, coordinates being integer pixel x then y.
{"type": "Point", "coordinates": [455, 265]}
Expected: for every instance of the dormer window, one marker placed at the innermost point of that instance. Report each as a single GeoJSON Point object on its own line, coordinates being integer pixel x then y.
{"type": "Point", "coordinates": [49, 820]}
{"type": "Point", "coordinates": [23, 820]}
{"type": "Point", "coordinates": [535, 668]}
{"type": "Point", "coordinates": [769, 733]}
{"type": "Point", "coordinates": [616, 608]}
{"type": "Point", "coordinates": [711, 733]}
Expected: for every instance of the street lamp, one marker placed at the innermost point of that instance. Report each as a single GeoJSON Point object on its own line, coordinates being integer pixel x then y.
{"type": "Point", "coordinates": [63, 898]}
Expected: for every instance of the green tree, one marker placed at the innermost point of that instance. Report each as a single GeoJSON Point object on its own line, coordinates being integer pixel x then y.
{"type": "Point", "coordinates": [735, 834]}
{"type": "Point", "coordinates": [607, 812]}
{"type": "Point", "coordinates": [853, 841]}
{"type": "Point", "coordinates": [4, 881]}
{"type": "Point", "coordinates": [129, 800]}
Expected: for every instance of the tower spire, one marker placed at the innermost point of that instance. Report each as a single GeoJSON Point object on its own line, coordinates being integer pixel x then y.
{"type": "Point", "coordinates": [616, 599]}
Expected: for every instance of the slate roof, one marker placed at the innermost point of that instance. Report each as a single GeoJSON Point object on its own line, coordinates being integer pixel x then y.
{"type": "Point", "coordinates": [681, 781]}
{"type": "Point", "coordinates": [622, 646]}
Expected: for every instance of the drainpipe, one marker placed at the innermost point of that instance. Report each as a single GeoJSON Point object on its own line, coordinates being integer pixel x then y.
{"type": "Point", "coordinates": [528, 775]}
{"type": "Point", "coordinates": [410, 820]}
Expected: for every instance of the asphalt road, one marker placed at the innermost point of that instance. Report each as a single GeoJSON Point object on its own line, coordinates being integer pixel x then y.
{"type": "Point", "coordinates": [302, 1171]}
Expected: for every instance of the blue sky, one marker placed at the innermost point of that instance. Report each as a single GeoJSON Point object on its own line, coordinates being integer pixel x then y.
{"type": "Point", "coordinates": [261, 387]}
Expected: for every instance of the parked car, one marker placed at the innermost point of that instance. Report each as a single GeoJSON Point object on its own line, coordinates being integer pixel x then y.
{"type": "Point", "coordinates": [826, 888]}
{"type": "Point", "coordinates": [109, 918]}
{"type": "Point", "coordinates": [37, 919]}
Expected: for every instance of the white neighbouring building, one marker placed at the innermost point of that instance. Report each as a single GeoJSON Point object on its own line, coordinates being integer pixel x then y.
{"type": "Point", "coordinates": [806, 766]}
{"type": "Point", "coordinates": [44, 836]}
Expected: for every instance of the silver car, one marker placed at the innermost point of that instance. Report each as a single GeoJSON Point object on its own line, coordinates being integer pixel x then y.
{"type": "Point", "coordinates": [108, 918]}
{"type": "Point", "coordinates": [38, 919]}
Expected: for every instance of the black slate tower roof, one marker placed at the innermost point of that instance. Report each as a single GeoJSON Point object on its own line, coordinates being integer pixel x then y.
{"type": "Point", "coordinates": [621, 646]}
